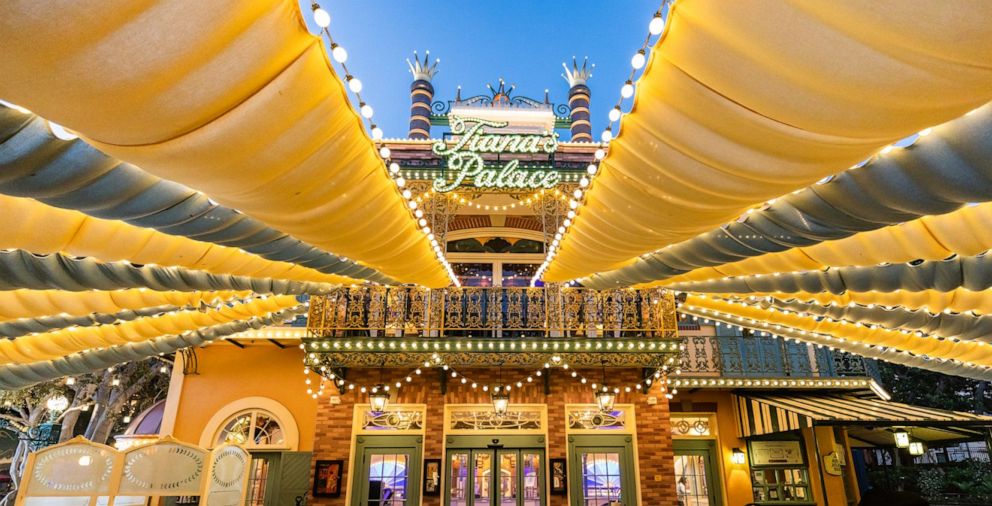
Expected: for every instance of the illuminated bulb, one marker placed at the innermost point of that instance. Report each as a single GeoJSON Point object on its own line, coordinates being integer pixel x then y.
{"type": "Point", "coordinates": [412, 204]}
{"type": "Point", "coordinates": [70, 381]}
{"type": "Point", "coordinates": [607, 135]}
{"type": "Point", "coordinates": [577, 193]}
{"type": "Point", "coordinates": [401, 182]}
{"type": "Point", "coordinates": [406, 193]}
{"type": "Point", "coordinates": [657, 25]}
{"type": "Point", "coordinates": [321, 17]}
{"type": "Point", "coordinates": [600, 154]}
{"type": "Point", "coordinates": [384, 152]}
{"type": "Point", "coordinates": [422, 222]}
{"type": "Point", "coordinates": [419, 213]}
{"type": "Point", "coordinates": [638, 60]}
{"type": "Point", "coordinates": [628, 90]}
{"type": "Point", "coordinates": [376, 133]}
{"type": "Point", "coordinates": [394, 168]}
{"type": "Point", "coordinates": [339, 54]}
{"type": "Point", "coordinates": [614, 114]}
{"type": "Point", "coordinates": [366, 111]}
{"type": "Point", "coordinates": [354, 84]}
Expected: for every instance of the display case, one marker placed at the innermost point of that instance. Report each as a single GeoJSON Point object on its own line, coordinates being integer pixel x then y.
{"type": "Point", "coordinates": [779, 472]}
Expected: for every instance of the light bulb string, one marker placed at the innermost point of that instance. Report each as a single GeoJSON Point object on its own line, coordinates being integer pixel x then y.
{"type": "Point", "coordinates": [659, 373]}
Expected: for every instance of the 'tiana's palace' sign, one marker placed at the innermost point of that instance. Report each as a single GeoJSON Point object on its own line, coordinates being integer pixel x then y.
{"type": "Point", "coordinates": [475, 138]}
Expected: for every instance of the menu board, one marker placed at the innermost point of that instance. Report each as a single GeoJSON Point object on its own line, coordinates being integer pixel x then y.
{"type": "Point", "coordinates": [776, 453]}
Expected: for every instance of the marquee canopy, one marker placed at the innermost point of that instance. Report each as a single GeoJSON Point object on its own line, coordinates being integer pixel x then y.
{"type": "Point", "coordinates": [817, 171]}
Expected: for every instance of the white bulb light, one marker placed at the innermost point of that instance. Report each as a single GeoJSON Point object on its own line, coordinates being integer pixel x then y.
{"type": "Point", "coordinates": [394, 168]}
{"type": "Point", "coordinates": [321, 17]}
{"type": "Point", "coordinates": [627, 91]}
{"type": "Point", "coordinates": [600, 154]}
{"type": "Point", "coordinates": [638, 60]}
{"type": "Point", "coordinates": [367, 111]}
{"type": "Point", "coordinates": [339, 54]}
{"type": "Point", "coordinates": [355, 85]}
{"type": "Point", "coordinates": [376, 133]}
{"type": "Point", "coordinates": [384, 152]}
{"type": "Point", "coordinates": [614, 114]}
{"type": "Point", "coordinates": [657, 25]}
{"type": "Point", "coordinates": [607, 135]}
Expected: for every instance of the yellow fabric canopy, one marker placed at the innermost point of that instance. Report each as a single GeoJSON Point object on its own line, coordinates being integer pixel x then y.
{"type": "Point", "coordinates": [58, 343]}
{"type": "Point", "coordinates": [742, 102]}
{"type": "Point", "coordinates": [16, 304]}
{"type": "Point", "coordinates": [958, 301]}
{"type": "Point", "coordinates": [963, 232]}
{"type": "Point", "coordinates": [77, 234]}
{"type": "Point", "coordinates": [976, 353]}
{"type": "Point", "coordinates": [235, 99]}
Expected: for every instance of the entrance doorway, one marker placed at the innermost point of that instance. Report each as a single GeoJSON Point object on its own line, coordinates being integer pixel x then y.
{"type": "Point", "coordinates": [500, 471]}
{"type": "Point", "coordinates": [696, 477]}
{"type": "Point", "coordinates": [603, 467]}
{"type": "Point", "coordinates": [387, 471]}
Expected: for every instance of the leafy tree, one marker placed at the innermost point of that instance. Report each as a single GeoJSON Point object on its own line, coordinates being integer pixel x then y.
{"type": "Point", "coordinates": [936, 390]}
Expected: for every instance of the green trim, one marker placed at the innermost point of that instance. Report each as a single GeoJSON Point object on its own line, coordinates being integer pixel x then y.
{"type": "Point", "coordinates": [615, 443]}
{"type": "Point", "coordinates": [367, 446]}
{"type": "Point", "coordinates": [708, 450]}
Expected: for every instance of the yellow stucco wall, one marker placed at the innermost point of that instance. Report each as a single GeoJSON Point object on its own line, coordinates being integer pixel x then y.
{"type": "Point", "coordinates": [227, 373]}
{"type": "Point", "coordinates": [736, 478]}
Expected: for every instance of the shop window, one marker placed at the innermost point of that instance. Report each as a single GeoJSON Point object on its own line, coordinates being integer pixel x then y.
{"type": "Point", "coordinates": [779, 471]}
{"type": "Point", "coordinates": [254, 428]}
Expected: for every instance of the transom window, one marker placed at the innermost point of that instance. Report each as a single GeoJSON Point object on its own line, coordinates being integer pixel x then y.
{"type": "Point", "coordinates": [254, 428]}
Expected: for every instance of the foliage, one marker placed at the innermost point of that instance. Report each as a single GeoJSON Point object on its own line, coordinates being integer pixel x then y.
{"type": "Point", "coordinates": [970, 480]}
{"type": "Point", "coordinates": [932, 482]}
{"type": "Point", "coordinates": [927, 388]}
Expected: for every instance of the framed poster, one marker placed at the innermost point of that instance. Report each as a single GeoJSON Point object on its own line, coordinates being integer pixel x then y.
{"type": "Point", "coordinates": [327, 478]}
{"type": "Point", "coordinates": [776, 453]}
{"type": "Point", "coordinates": [559, 477]}
{"type": "Point", "coordinates": [432, 477]}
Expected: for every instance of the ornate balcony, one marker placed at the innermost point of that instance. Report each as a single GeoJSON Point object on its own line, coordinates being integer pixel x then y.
{"type": "Point", "coordinates": [753, 356]}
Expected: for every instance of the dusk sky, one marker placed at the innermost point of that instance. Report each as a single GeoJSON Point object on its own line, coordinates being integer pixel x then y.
{"type": "Point", "coordinates": [524, 42]}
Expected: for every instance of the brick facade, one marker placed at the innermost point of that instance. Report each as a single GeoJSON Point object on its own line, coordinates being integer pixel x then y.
{"type": "Point", "coordinates": [654, 443]}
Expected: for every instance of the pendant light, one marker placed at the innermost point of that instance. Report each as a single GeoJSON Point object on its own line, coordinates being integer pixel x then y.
{"type": "Point", "coordinates": [379, 396]}
{"type": "Point", "coordinates": [902, 438]}
{"type": "Point", "coordinates": [605, 398]}
{"type": "Point", "coordinates": [500, 397]}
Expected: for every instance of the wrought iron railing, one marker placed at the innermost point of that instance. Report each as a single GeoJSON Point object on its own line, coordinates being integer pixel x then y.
{"type": "Point", "coordinates": [752, 356]}
{"type": "Point", "coordinates": [492, 312]}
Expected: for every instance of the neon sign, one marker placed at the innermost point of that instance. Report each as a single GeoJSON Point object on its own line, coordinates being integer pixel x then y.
{"type": "Point", "coordinates": [465, 156]}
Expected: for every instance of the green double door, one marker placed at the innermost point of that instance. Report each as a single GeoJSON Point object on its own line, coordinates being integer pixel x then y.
{"type": "Point", "coordinates": [387, 471]}
{"type": "Point", "coordinates": [507, 471]}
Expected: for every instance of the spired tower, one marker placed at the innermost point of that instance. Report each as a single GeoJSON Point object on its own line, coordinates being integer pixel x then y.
{"type": "Point", "coordinates": [578, 99]}
{"type": "Point", "coordinates": [421, 95]}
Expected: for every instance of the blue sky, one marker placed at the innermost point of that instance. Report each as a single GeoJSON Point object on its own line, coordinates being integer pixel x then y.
{"type": "Point", "coordinates": [524, 42]}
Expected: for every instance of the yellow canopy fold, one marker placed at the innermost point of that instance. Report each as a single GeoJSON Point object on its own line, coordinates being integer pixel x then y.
{"type": "Point", "coordinates": [742, 102]}
{"type": "Point", "coordinates": [77, 234]}
{"type": "Point", "coordinates": [235, 99]}
{"type": "Point", "coordinates": [963, 232]}
{"type": "Point", "coordinates": [58, 343]}
{"type": "Point", "coordinates": [976, 353]}
{"type": "Point", "coordinates": [958, 301]}
{"type": "Point", "coordinates": [16, 304]}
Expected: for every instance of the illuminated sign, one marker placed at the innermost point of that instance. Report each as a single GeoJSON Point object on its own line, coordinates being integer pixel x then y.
{"type": "Point", "coordinates": [465, 156]}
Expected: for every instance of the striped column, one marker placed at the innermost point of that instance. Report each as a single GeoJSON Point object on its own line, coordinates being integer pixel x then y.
{"type": "Point", "coordinates": [421, 95]}
{"type": "Point", "coordinates": [578, 103]}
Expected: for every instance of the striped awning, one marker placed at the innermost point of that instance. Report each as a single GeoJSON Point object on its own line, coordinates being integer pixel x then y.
{"type": "Point", "coordinates": [759, 414]}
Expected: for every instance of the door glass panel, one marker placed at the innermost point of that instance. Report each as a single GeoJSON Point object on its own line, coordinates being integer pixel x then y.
{"type": "Point", "coordinates": [483, 478]}
{"type": "Point", "coordinates": [601, 479]}
{"type": "Point", "coordinates": [690, 480]}
{"type": "Point", "coordinates": [532, 482]}
{"type": "Point", "coordinates": [459, 479]}
{"type": "Point", "coordinates": [388, 479]}
{"type": "Point", "coordinates": [508, 478]}
{"type": "Point", "coordinates": [256, 481]}
{"type": "Point", "coordinates": [480, 274]}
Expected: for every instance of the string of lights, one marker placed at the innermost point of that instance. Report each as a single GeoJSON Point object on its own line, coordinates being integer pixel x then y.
{"type": "Point", "coordinates": [323, 20]}
{"type": "Point", "coordinates": [655, 29]}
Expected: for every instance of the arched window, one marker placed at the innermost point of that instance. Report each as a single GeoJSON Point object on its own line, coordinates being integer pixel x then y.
{"type": "Point", "coordinates": [253, 428]}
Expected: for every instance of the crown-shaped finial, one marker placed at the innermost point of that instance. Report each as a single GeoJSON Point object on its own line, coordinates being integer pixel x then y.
{"type": "Point", "coordinates": [425, 70]}
{"type": "Point", "coordinates": [578, 75]}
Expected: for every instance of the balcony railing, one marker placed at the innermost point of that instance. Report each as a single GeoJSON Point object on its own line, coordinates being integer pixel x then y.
{"type": "Point", "coordinates": [377, 311]}
{"type": "Point", "coordinates": [752, 356]}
